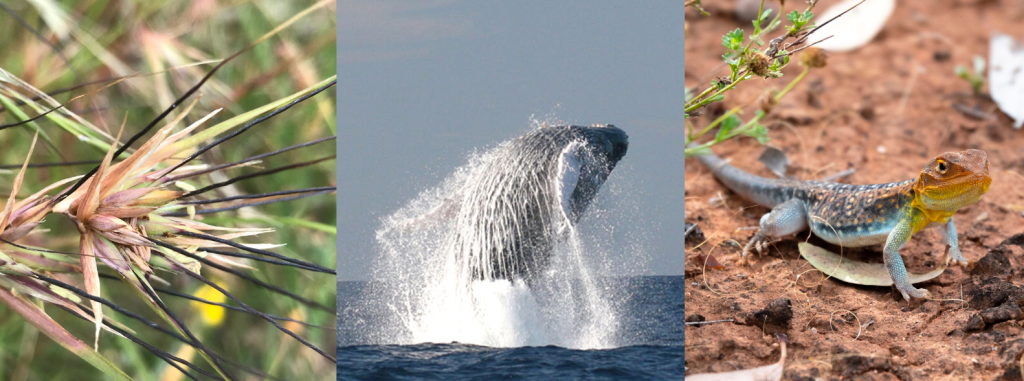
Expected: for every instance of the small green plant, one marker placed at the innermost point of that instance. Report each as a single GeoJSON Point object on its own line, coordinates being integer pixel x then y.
{"type": "Point", "coordinates": [976, 79]}
{"type": "Point", "coordinates": [748, 58]}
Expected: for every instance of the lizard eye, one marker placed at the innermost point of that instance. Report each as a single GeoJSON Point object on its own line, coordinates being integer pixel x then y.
{"type": "Point", "coordinates": [941, 167]}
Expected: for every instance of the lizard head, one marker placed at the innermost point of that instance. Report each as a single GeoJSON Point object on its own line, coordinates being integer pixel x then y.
{"type": "Point", "coordinates": [953, 180]}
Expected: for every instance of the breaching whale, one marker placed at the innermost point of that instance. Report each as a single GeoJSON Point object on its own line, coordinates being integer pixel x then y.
{"type": "Point", "coordinates": [525, 196]}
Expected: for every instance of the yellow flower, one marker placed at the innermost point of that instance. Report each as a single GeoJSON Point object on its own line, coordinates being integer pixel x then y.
{"type": "Point", "coordinates": [212, 315]}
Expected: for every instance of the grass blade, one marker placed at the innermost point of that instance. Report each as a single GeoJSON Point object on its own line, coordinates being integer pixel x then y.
{"type": "Point", "coordinates": [38, 318]}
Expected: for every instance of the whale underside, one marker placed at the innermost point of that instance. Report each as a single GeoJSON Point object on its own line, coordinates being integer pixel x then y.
{"type": "Point", "coordinates": [526, 196]}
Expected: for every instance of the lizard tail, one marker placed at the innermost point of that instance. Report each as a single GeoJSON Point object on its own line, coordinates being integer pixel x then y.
{"type": "Point", "coordinates": [709, 159]}
{"type": "Point", "coordinates": [754, 188]}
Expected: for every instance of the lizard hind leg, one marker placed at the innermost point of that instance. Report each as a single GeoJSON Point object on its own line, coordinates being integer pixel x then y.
{"type": "Point", "coordinates": [785, 219]}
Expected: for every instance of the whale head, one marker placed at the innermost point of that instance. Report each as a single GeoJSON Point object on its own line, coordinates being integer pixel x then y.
{"type": "Point", "coordinates": [608, 141]}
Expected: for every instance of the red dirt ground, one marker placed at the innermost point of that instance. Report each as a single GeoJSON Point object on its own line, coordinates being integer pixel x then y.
{"type": "Point", "coordinates": [977, 335]}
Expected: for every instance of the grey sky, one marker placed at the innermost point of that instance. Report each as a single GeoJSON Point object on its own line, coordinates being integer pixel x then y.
{"type": "Point", "coordinates": [424, 83]}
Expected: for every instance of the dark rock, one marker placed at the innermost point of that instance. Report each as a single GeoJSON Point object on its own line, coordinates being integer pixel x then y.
{"type": "Point", "coordinates": [991, 292]}
{"type": "Point", "coordinates": [849, 366]}
{"type": "Point", "coordinates": [975, 323]}
{"type": "Point", "coordinates": [775, 318]}
{"type": "Point", "coordinates": [694, 236]}
{"type": "Point", "coordinates": [1016, 239]}
{"type": "Point", "coordinates": [695, 318]}
{"type": "Point", "coordinates": [995, 262]}
{"type": "Point", "coordinates": [1007, 311]}
{"type": "Point", "coordinates": [867, 112]}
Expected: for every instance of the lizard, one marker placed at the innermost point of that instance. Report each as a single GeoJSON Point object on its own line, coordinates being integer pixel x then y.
{"type": "Point", "coordinates": [865, 215]}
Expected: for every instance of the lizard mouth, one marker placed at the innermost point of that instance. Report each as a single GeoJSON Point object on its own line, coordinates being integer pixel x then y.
{"type": "Point", "coordinates": [956, 193]}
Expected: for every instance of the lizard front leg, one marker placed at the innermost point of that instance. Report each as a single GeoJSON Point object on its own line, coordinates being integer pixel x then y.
{"type": "Point", "coordinates": [786, 218]}
{"type": "Point", "coordinates": [899, 237]}
{"type": "Point", "coordinates": [953, 255]}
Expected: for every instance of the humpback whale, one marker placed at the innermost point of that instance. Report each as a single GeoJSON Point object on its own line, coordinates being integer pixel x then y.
{"type": "Point", "coordinates": [525, 196]}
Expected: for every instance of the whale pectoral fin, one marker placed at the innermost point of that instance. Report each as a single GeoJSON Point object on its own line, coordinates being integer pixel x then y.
{"type": "Point", "coordinates": [569, 164]}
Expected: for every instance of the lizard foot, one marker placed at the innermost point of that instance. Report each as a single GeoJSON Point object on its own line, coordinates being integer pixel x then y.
{"type": "Point", "coordinates": [759, 242]}
{"type": "Point", "coordinates": [919, 293]}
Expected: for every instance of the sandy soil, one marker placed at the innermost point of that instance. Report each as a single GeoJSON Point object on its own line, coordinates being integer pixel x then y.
{"type": "Point", "coordinates": [869, 111]}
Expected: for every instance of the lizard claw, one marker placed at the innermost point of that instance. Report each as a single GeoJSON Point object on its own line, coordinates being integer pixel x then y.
{"type": "Point", "coordinates": [759, 243]}
{"type": "Point", "coordinates": [954, 256]}
{"type": "Point", "coordinates": [919, 293]}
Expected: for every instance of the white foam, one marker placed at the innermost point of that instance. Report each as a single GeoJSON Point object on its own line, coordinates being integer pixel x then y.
{"type": "Point", "coordinates": [433, 297]}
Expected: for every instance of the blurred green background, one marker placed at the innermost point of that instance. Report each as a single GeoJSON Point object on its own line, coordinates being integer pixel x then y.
{"type": "Point", "coordinates": [107, 39]}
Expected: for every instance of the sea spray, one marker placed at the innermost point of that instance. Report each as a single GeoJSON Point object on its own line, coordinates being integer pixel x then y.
{"type": "Point", "coordinates": [430, 291]}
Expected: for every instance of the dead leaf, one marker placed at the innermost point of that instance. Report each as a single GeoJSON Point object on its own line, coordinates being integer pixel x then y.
{"type": "Point", "coordinates": [856, 272]}
{"type": "Point", "coordinates": [710, 261]}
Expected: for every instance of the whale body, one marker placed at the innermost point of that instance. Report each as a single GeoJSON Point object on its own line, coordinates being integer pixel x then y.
{"type": "Point", "coordinates": [525, 196]}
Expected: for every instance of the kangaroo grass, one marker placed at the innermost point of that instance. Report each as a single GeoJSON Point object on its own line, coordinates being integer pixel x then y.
{"type": "Point", "coordinates": [247, 160]}
{"type": "Point", "coordinates": [319, 190]}
{"type": "Point", "coordinates": [324, 190]}
{"type": "Point", "coordinates": [266, 317]}
{"type": "Point", "coordinates": [115, 307]}
{"type": "Point", "coordinates": [163, 355]}
{"type": "Point", "coordinates": [171, 359]}
{"type": "Point", "coordinates": [253, 123]}
{"type": "Point", "coordinates": [227, 306]}
{"type": "Point", "coordinates": [185, 96]}
{"type": "Point", "coordinates": [265, 260]}
{"type": "Point", "coordinates": [255, 250]}
{"type": "Point", "coordinates": [255, 175]}
{"type": "Point", "coordinates": [245, 276]}
{"type": "Point", "coordinates": [125, 203]}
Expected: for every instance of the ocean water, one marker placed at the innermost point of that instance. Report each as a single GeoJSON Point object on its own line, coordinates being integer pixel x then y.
{"type": "Point", "coordinates": [645, 343]}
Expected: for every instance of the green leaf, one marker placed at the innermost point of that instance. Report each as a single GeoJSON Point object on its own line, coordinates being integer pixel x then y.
{"type": "Point", "coordinates": [733, 40]}
{"type": "Point", "coordinates": [793, 17]}
{"type": "Point", "coordinates": [807, 16]}
{"type": "Point", "coordinates": [757, 131]}
{"type": "Point", "coordinates": [764, 16]}
{"type": "Point", "coordinates": [730, 123]}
